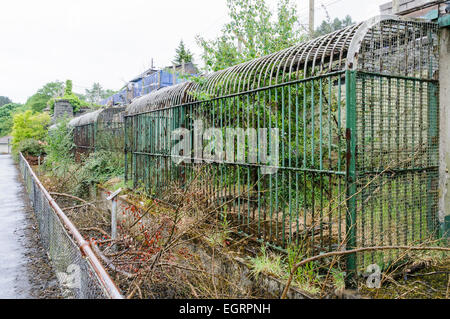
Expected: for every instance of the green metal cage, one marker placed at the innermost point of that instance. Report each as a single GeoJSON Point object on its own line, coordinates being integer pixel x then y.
{"type": "Point", "coordinates": [98, 130]}
{"type": "Point", "coordinates": [356, 114]}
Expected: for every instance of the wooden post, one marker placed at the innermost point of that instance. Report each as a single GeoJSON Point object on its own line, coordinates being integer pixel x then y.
{"type": "Point", "coordinates": [395, 6]}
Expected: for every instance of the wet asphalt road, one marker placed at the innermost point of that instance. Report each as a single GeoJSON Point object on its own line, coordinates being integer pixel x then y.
{"type": "Point", "coordinates": [25, 271]}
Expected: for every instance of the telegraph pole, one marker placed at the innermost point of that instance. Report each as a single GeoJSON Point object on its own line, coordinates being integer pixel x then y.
{"type": "Point", "coordinates": [311, 18]}
{"type": "Point", "coordinates": [395, 6]}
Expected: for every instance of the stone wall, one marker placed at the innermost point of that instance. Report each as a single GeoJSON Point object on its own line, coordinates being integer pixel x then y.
{"type": "Point", "coordinates": [62, 108]}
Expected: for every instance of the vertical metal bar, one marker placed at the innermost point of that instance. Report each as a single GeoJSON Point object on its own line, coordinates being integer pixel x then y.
{"type": "Point", "coordinates": [389, 130]}
{"type": "Point", "coordinates": [340, 156]}
{"type": "Point", "coordinates": [283, 154]}
{"type": "Point", "coordinates": [321, 158]}
{"type": "Point", "coordinates": [433, 142]}
{"type": "Point", "coordinates": [297, 164]}
{"type": "Point", "coordinates": [277, 175]}
{"type": "Point", "coordinates": [351, 172]}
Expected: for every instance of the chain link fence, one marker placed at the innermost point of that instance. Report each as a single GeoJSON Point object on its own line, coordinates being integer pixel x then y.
{"type": "Point", "coordinates": [80, 274]}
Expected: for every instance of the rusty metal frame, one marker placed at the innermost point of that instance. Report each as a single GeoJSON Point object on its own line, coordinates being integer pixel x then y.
{"type": "Point", "coordinates": [84, 246]}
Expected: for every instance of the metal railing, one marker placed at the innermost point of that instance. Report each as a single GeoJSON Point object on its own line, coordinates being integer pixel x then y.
{"type": "Point", "coordinates": [78, 269]}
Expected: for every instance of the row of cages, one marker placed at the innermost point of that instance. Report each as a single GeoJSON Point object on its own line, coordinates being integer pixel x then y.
{"type": "Point", "coordinates": [330, 158]}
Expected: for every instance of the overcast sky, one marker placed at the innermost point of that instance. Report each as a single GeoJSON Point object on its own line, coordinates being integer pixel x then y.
{"type": "Point", "coordinates": [111, 41]}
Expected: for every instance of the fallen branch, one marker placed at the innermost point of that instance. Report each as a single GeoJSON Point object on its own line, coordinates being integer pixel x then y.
{"type": "Point", "coordinates": [77, 199]}
{"type": "Point", "coordinates": [109, 263]}
{"type": "Point", "coordinates": [74, 207]}
{"type": "Point", "coordinates": [349, 252]}
{"type": "Point", "coordinates": [430, 274]}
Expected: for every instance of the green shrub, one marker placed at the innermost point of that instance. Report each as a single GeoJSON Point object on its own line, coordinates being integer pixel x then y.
{"type": "Point", "coordinates": [31, 147]}
{"type": "Point", "coordinates": [29, 126]}
{"type": "Point", "coordinates": [59, 147]}
{"type": "Point", "coordinates": [99, 167]}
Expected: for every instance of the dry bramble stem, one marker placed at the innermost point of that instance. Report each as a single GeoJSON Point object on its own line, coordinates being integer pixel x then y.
{"type": "Point", "coordinates": [77, 199]}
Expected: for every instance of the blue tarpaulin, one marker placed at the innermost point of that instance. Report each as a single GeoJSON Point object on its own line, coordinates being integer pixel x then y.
{"type": "Point", "coordinates": [146, 85]}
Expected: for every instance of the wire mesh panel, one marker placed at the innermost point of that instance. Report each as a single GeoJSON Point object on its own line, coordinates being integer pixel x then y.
{"type": "Point", "coordinates": [397, 139]}
{"type": "Point", "coordinates": [109, 131]}
{"type": "Point", "coordinates": [76, 276]}
{"type": "Point", "coordinates": [84, 140]}
{"type": "Point", "coordinates": [99, 130]}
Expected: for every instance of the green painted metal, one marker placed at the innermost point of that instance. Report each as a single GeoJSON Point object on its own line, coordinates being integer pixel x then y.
{"type": "Point", "coordinates": [433, 158]}
{"type": "Point", "coordinates": [444, 21]}
{"type": "Point", "coordinates": [279, 208]}
{"type": "Point", "coordinates": [98, 131]}
{"type": "Point", "coordinates": [351, 136]}
{"type": "Point", "coordinates": [446, 228]}
{"type": "Point", "coordinates": [358, 140]}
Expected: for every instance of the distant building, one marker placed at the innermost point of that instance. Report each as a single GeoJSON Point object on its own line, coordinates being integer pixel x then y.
{"type": "Point", "coordinates": [428, 9]}
{"type": "Point", "coordinates": [151, 80]}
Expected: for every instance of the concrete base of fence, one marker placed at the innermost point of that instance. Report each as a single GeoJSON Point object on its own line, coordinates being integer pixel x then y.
{"type": "Point", "coordinates": [234, 268]}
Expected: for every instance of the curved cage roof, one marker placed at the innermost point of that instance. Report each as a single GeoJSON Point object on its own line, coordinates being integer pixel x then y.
{"type": "Point", "coordinates": [377, 45]}
{"type": "Point", "coordinates": [171, 95]}
{"type": "Point", "coordinates": [86, 119]}
{"type": "Point", "coordinates": [101, 115]}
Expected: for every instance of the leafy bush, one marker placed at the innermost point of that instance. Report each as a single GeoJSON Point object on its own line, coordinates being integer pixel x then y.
{"type": "Point", "coordinates": [29, 126]}
{"type": "Point", "coordinates": [99, 167]}
{"type": "Point", "coordinates": [59, 147]}
{"type": "Point", "coordinates": [31, 147]}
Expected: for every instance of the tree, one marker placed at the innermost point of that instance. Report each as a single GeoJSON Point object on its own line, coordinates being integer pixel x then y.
{"type": "Point", "coordinates": [59, 146]}
{"type": "Point", "coordinates": [252, 32]}
{"type": "Point", "coordinates": [107, 93]}
{"type": "Point", "coordinates": [6, 117]}
{"type": "Point", "coordinates": [38, 101]}
{"type": "Point", "coordinates": [94, 94]}
{"type": "Point", "coordinates": [4, 100]}
{"type": "Point", "coordinates": [329, 26]}
{"type": "Point", "coordinates": [97, 93]}
{"type": "Point", "coordinates": [182, 54]}
{"type": "Point", "coordinates": [29, 126]}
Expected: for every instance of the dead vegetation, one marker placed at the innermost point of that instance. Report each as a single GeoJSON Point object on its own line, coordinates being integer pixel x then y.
{"type": "Point", "coordinates": [183, 250]}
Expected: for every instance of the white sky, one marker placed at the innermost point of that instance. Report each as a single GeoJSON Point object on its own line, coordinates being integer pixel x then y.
{"type": "Point", "coordinates": [111, 41]}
